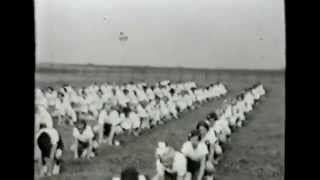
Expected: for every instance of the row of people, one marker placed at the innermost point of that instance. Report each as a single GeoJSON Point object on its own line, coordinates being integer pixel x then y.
{"type": "Point", "coordinates": [162, 100]}
{"type": "Point", "coordinates": [111, 120]}
{"type": "Point", "coordinates": [205, 145]}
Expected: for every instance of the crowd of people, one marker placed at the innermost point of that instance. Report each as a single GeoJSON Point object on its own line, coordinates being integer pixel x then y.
{"type": "Point", "coordinates": [98, 113]}
{"type": "Point", "coordinates": [205, 145]}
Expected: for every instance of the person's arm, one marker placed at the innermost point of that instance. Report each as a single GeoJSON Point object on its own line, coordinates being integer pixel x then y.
{"type": "Point", "coordinates": [100, 133]}
{"type": "Point", "coordinates": [76, 155]}
{"type": "Point", "coordinates": [51, 159]}
{"type": "Point", "coordinates": [111, 134]}
{"type": "Point", "coordinates": [90, 148]}
{"type": "Point", "coordinates": [40, 164]}
{"type": "Point", "coordinates": [202, 168]}
{"type": "Point", "coordinates": [211, 153]}
{"type": "Point", "coordinates": [160, 171]}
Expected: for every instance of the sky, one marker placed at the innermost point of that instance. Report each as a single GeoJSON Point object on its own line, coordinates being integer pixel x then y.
{"type": "Point", "coordinates": [232, 34]}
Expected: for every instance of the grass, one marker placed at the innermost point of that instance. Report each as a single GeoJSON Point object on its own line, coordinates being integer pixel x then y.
{"type": "Point", "coordinates": [256, 151]}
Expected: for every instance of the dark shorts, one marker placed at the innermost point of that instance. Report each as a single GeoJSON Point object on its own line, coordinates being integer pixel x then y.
{"type": "Point", "coordinates": [84, 145]}
{"type": "Point", "coordinates": [170, 176]}
{"type": "Point", "coordinates": [106, 129]}
{"type": "Point", "coordinates": [193, 166]}
{"type": "Point", "coordinates": [44, 144]}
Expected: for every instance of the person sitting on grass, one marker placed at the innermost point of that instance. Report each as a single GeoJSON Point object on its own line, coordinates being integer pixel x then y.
{"type": "Point", "coordinates": [171, 164]}
{"type": "Point", "coordinates": [130, 173]}
{"type": "Point", "coordinates": [84, 146]}
{"type": "Point", "coordinates": [196, 152]}
{"type": "Point", "coordinates": [51, 147]}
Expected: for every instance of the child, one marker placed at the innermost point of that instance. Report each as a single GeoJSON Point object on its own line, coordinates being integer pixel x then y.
{"type": "Point", "coordinates": [107, 122]}
{"type": "Point", "coordinates": [84, 146]}
{"type": "Point", "coordinates": [50, 145]}
{"type": "Point", "coordinates": [196, 152]}
{"type": "Point", "coordinates": [209, 137]}
{"type": "Point", "coordinates": [42, 118]}
{"type": "Point", "coordinates": [171, 164]}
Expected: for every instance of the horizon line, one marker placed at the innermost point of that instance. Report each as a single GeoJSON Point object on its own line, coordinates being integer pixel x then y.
{"type": "Point", "coordinates": [156, 67]}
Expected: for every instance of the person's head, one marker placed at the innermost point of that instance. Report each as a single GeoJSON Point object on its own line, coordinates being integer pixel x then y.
{"type": "Point", "coordinates": [129, 173]}
{"type": "Point", "coordinates": [49, 89]}
{"type": "Point", "coordinates": [135, 92]}
{"type": "Point", "coordinates": [203, 128]}
{"type": "Point", "coordinates": [212, 116]}
{"type": "Point", "coordinates": [100, 92]}
{"type": "Point", "coordinates": [126, 111]}
{"type": "Point", "coordinates": [166, 156]}
{"type": "Point", "coordinates": [194, 137]}
{"type": "Point", "coordinates": [81, 124]}
{"type": "Point", "coordinates": [125, 91]}
{"type": "Point", "coordinates": [60, 95]}
{"type": "Point", "coordinates": [172, 91]}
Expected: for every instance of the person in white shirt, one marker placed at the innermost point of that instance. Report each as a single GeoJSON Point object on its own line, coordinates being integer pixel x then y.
{"type": "Point", "coordinates": [84, 146]}
{"type": "Point", "coordinates": [209, 137]}
{"type": "Point", "coordinates": [142, 113]}
{"type": "Point", "coordinates": [165, 113]}
{"type": "Point", "coordinates": [40, 98]}
{"type": "Point", "coordinates": [107, 123]}
{"type": "Point", "coordinates": [42, 118]}
{"type": "Point", "coordinates": [51, 146]}
{"type": "Point", "coordinates": [173, 109]}
{"type": "Point", "coordinates": [123, 98]}
{"type": "Point", "coordinates": [50, 94]}
{"type": "Point", "coordinates": [171, 164]}
{"type": "Point", "coordinates": [135, 121]}
{"type": "Point", "coordinates": [196, 153]}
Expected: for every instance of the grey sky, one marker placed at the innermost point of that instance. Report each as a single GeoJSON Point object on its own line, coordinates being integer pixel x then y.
{"type": "Point", "coordinates": [190, 33]}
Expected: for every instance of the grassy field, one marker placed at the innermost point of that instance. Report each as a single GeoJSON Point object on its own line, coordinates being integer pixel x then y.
{"type": "Point", "coordinates": [256, 151]}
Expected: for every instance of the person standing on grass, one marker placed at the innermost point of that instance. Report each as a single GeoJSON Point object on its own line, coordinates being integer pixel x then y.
{"type": "Point", "coordinates": [51, 147]}
{"type": "Point", "coordinates": [84, 146]}
{"type": "Point", "coordinates": [196, 152]}
{"type": "Point", "coordinates": [171, 164]}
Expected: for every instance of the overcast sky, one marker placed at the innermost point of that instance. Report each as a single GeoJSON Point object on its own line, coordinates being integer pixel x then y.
{"type": "Point", "coordinates": [246, 34]}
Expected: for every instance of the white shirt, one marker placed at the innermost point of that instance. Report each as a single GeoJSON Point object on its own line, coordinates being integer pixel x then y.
{"type": "Point", "coordinates": [135, 120]}
{"type": "Point", "coordinates": [86, 135]}
{"type": "Point", "coordinates": [210, 137]}
{"type": "Point", "coordinates": [53, 134]}
{"type": "Point", "coordinates": [196, 154]}
{"type": "Point", "coordinates": [114, 118]}
{"type": "Point", "coordinates": [179, 165]}
{"type": "Point", "coordinates": [103, 117]}
{"type": "Point", "coordinates": [141, 111]}
{"type": "Point", "coordinates": [43, 117]}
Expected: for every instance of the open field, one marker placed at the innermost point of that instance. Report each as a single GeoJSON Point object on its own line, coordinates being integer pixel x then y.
{"type": "Point", "coordinates": [256, 151]}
